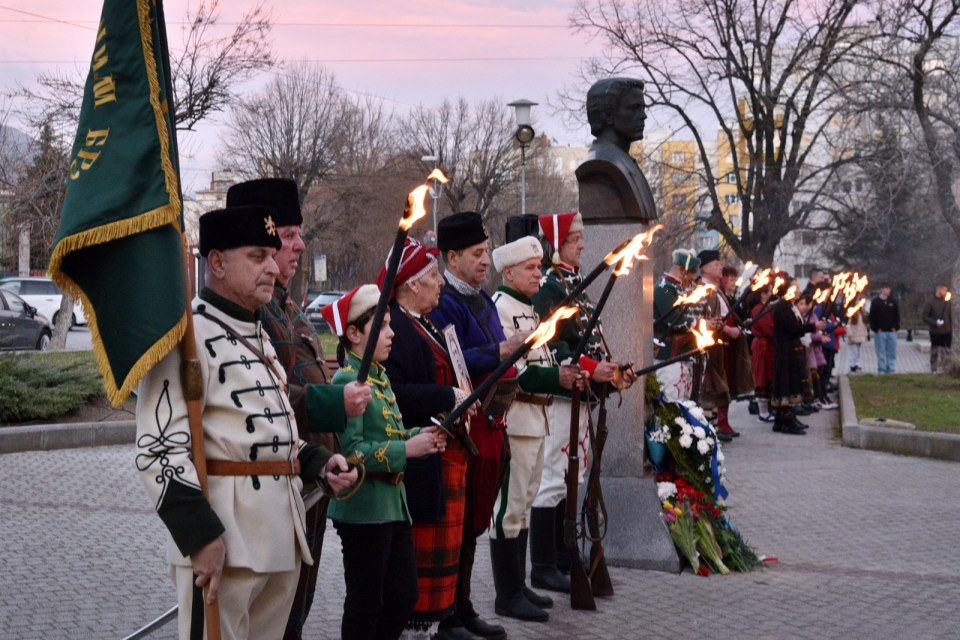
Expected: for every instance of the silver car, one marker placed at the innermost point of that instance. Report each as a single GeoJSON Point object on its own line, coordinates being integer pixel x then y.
{"type": "Point", "coordinates": [21, 326]}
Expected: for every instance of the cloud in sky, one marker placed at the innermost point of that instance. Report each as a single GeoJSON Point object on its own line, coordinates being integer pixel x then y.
{"type": "Point", "coordinates": [401, 61]}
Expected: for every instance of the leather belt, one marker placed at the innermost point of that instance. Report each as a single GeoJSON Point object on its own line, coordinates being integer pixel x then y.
{"type": "Point", "coordinates": [389, 478]}
{"type": "Point", "coordinates": [529, 398]}
{"type": "Point", "coordinates": [253, 468]}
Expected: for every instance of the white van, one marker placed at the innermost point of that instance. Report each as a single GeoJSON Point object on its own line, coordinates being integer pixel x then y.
{"type": "Point", "coordinates": [43, 294]}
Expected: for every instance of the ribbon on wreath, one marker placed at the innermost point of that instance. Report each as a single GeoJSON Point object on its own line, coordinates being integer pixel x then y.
{"type": "Point", "coordinates": [719, 491]}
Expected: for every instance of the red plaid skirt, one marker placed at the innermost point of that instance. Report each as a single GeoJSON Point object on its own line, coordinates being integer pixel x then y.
{"type": "Point", "coordinates": [762, 357]}
{"type": "Point", "coordinates": [437, 544]}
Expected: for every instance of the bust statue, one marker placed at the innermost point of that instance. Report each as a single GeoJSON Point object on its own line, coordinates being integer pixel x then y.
{"type": "Point", "coordinates": [612, 187]}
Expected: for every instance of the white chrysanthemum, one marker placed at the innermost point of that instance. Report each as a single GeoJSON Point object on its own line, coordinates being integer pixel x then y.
{"type": "Point", "coordinates": [686, 440]}
{"type": "Point", "coordinates": [661, 435]}
{"type": "Point", "coordinates": [702, 467]}
{"type": "Point", "coordinates": [685, 427]}
{"type": "Point", "coordinates": [666, 490]}
{"type": "Point", "coordinates": [719, 454]}
{"type": "Point", "coordinates": [700, 433]}
{"type": "Point", "coordinates": [703, 447]}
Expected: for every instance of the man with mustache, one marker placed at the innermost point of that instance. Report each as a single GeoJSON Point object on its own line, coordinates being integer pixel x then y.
{"type": "Point", "coordinates": [321, 408]}
{"type": "Point", "coordinates": [246, 541]}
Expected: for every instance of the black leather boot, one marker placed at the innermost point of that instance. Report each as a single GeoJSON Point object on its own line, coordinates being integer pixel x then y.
{"type": "Point", "coordinates": [541, 601]}
{"type": "Point", "coordinates": [473, 623]}
{"type": "Point", "coordinates": [507, 580]}
{"type": "Point", "coordinates": [543, 552]}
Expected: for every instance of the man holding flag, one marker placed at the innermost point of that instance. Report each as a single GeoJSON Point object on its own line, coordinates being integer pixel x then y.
{"type": "Point", "coordinates": [120, 249]}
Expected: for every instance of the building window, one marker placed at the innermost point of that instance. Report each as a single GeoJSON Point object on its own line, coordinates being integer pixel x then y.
{"type": "Point", "coordinates": [679, 177]}
{"type": "Point", "coordinates": [678, 157]}
{"type": "Point", "coordinates": [808, 238]}
{"type": "Point", "coordinates": [731, 178]}
{"type": "Point", "coordinates": [679, 198]}
{"type": "Point", "coordinates": [734, 221]}
{"type": "Point", "coordinates": [845, 185]}
{"type": "Point", "coordinates": [731, 198]}
{"type": "Point", "coordinates": [858, 185]}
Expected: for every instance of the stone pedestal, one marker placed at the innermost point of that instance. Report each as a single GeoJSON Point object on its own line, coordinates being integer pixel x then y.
{"type": "Point", "coordinates": [636, 537]}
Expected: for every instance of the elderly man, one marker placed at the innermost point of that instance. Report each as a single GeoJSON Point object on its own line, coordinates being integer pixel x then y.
{"type": "Point", "coordinates": [321, 408]}
{"type": "Point", "coordinates": [563, 234]}
{"type": "Point", "coordinates": [246, 542]}
{"type": "Point", "coordinates": [540, 379]}
{"type": "Point", "coordinates": [462, 240]}
{"type": "Point", "coordinates": [673, 324]}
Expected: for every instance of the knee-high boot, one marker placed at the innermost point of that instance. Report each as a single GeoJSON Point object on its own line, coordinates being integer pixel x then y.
{"type": "Point", "coordinates": [543, 551]}
{"type": "Point", "coordinates": [541, 601]}
{"type": "Point", "coordinates": [508, 581]}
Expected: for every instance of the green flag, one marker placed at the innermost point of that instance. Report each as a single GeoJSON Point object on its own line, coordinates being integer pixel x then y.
{"type": "Point", "coordinates": [119, 246]}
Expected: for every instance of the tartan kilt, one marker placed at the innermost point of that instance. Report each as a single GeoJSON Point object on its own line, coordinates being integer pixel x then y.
{"type": "Point", "coordinates": [437, 544]}
{"type": "Point", "coordinates": [762, 357]}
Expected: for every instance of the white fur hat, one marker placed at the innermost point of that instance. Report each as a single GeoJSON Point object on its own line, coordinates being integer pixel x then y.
{"type": "Point", "coordinates": [516, 252]}
{"type": "Point", "coordinates": [350, 307]}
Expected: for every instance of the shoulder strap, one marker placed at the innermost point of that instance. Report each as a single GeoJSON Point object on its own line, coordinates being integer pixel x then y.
{"type": "Point", "coordinates": [246, 343]}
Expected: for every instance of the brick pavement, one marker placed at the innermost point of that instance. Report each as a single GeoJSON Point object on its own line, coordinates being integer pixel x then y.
{"type": "Point", "coordinates": [865, 542]}
{"type": "Point", "coordinates": [909, 358]}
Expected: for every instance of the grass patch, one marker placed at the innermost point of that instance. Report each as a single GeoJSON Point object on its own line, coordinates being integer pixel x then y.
{"type": "Point", "coordinates": [932, 402]}
{"type": "Point", "coordinates": [46, 386]}
{"type": "Point", "coordinates": [328, 341]}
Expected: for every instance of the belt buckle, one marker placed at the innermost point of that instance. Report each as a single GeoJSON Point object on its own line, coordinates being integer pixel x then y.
{"type": "Point", "coordinates": [293, 467]}
{"type": "Point", "coordinates": [397, 479]}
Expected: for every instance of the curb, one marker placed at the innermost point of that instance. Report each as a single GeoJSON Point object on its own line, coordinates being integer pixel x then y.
{"type": "Point", "coordinates": [46, 437]}
{"type": "Point", "coordinates": [923, 444]}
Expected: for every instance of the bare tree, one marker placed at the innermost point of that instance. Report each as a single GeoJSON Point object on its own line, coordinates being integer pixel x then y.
{"type": "Point", "coordinates": [762, 72]}
{"type": "Point", "coordinates": [474, 148]}
{"type": "Point", "coordinates": [206, 72]}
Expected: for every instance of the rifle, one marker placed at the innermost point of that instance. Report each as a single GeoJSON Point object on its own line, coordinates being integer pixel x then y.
{"type": "Point", "coordinates": [594, 510]}
{"type": "Point", "coordinates": [581, 596]}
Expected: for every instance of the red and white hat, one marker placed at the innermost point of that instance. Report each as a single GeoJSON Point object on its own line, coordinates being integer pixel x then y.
{"type": "Point", "coordinates": [555, 228]}
{"type": "Point", "coordinates": [416, 261]}
{"type": "Point", "coordinates": [350, 307]}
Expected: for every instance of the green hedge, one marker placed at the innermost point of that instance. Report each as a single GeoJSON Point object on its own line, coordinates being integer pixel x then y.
{"type": "Point", "coordinates": [45, 386]}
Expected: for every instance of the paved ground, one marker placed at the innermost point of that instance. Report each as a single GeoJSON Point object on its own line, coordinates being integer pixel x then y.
{"type": "Point", "coordinates": [78, 339]}
{"type": "Point", "coordinates": [865, 541]}
{"type": "Point", "coordinates": [909, 358]}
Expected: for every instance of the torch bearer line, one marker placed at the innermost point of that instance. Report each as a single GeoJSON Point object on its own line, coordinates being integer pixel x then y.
{"type": "Point", "coordinates": [484, 387]}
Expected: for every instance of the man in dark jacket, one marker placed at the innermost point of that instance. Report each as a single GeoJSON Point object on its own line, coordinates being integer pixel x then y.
{"type": "Point", "coordinates": [885, 322]}
{"type": "Point", "coordinates": [937, 314]}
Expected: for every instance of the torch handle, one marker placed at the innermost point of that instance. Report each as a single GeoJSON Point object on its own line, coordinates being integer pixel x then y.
{"type": "Point", "coordinates": [666, 363]}
{"type": "Point", "coordinates": [385, 292]}
{"type": "Point", "coordinates": [485, 386]}
{"type": "Point", "coordinates": [594, 318]}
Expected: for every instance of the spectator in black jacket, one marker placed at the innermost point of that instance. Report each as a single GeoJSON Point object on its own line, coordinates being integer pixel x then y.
{"type": "Point", "coordinates": [937, 314]}
{"type": "Point", "coordinates": [885, 322]}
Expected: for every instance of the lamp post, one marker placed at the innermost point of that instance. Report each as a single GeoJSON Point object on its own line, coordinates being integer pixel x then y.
{"type": "Point", "coordinates": [436, 191]}
{"type": "Point", "coordinates": [524, 137]}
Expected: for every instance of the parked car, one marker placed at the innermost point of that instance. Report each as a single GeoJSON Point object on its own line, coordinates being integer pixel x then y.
{"type": "Point", "coordinates": [309, 297]}
{"type": "Point", "coordinates": [21, 326]}
{"type": "Point", "coordinates": [313, 309]}
{"type": "Point", "coordinates": [45, 295]}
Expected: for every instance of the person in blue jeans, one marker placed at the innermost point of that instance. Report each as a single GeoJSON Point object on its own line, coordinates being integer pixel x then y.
{"type": "Point", "coordinates": [885, 322]}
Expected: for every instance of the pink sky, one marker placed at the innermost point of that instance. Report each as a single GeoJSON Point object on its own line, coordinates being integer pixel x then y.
{"type": "Point", "coordinates": [406, 82]}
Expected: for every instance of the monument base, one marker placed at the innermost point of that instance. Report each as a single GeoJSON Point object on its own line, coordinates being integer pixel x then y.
{"type": "Point", "coordinates": [637, 536]}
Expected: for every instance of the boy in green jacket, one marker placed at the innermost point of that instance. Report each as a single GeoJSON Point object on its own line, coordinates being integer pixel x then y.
{"type": "Point", "coordinates": [374, 525]}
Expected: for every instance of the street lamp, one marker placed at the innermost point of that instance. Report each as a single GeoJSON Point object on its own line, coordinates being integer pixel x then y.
{"type": "Point", "coordinates": [436, 191]}
{"type": "Point", "coordinates": [524, 137]}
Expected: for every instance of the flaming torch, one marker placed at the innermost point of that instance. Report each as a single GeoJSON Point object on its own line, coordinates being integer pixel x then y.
{"type": "Point", "coordinates": [538, 338]}
{"type": "Point", "coordinates": [704, 340]}
{"type": "Point", "coordinates": [852, 311]}
{"type": "Point", "coordinates": [413, 212]}
{"type": "Point", "coordinates": [946, 299]}
{"type": "Point", "coordinates": [695, 296]}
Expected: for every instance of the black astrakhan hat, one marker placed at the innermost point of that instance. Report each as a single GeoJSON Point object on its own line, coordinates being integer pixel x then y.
{"type": "Point", "coordinates": [251, 226]}
{"type": "Point", "coordinates": [280, 194]}
{"type": "Point", "coordinates": [707, 256]}
{"type": "Point", "coordinates": [461, 230]}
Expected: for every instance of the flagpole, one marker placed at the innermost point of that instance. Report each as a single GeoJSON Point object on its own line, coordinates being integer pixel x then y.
{"type": "Point", "coordinates": [190, 374]}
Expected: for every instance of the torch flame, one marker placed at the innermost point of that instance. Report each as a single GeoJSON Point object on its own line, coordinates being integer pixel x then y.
{"type": "Point", "coordinates": [852, 311]}
{"type": "Point", "coordinates": [415, 209]}
{"type": "Point", "coordinates": [791, 292]}
{"type": "Point", "coordinates": [760, 280]}
{"type": "Point", "coordinates": [821, 296]}
{"type": "Point", "coordinates": [631, 251]}
{"type": "Point", "coordinates": [778, 283]}
{"type": "Point", "coordinates": [704, 336]}
{"type": "Point", "coordinates": [548, 327]}
{"type": "Point", "coordinates": [947, 297]}
{"type": "Point", "coordinates": [437, 175]}
{"type": "Point", "coordinates": [695, 296]}
{"type": "Point", "coordinates": [738, 282]}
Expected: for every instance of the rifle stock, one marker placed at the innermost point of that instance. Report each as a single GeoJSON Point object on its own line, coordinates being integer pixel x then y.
{"type": "Point", "coordinates": [593, 505]}
{"type": "Point", "coordinates": [581, 595]}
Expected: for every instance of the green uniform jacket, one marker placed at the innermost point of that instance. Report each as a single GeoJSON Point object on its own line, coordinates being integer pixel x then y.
{"type": "Point", "coordinates": [665, 294]}
{"type": "Point", "coordinates": [552, 292]}
{"type": "Point", "coordinates": [379, 435]}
